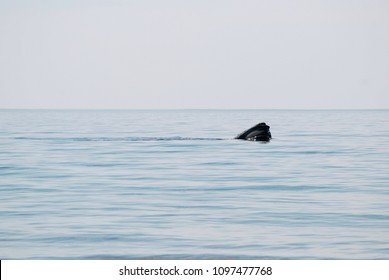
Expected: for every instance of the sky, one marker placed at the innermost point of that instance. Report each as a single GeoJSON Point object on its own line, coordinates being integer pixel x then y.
{"type": "Point", "coordinates": [194, 54]}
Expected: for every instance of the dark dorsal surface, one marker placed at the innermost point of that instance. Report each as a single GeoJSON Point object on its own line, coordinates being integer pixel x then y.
{"type": "Point", "coordinates": [259, 132]}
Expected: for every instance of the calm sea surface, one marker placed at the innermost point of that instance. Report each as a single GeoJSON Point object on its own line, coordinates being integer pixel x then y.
{"type": "Point", "coordinates": [175, 185]}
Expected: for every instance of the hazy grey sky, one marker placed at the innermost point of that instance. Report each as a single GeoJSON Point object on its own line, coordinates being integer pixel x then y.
{"type": "Point", "coordinates": [224, 54]}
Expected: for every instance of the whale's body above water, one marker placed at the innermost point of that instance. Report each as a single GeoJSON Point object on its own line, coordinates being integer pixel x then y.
{"type": "Point", "coordinates": [259, 132]}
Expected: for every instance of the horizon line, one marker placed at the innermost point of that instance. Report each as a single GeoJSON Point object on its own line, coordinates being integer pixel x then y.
{"type": "Point", "coordinates": [200, 109]}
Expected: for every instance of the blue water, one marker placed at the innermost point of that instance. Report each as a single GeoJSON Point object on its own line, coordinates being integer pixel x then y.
{"type": "Point", "coordinates": [176, 185]}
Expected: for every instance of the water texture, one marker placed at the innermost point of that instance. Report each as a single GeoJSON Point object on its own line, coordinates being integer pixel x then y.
{"type": "Point", "coordinates": [176, 185]}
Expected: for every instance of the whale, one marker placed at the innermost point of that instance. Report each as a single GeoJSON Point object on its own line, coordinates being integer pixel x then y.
{"type": "Point", "coordinates": [259, 132]}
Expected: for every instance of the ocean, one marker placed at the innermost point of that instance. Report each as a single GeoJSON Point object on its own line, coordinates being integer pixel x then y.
{"type": "Point", "coordinates": [174, 184]}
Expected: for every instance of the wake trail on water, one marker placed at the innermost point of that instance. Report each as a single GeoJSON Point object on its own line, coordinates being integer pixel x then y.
{"type": "Point", "coordinates": [121, 139]}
